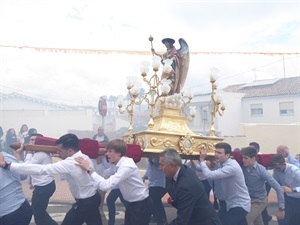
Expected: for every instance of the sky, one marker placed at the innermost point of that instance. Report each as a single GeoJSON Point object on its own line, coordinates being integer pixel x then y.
{"type": "Point", "coordinates": [214, 30]}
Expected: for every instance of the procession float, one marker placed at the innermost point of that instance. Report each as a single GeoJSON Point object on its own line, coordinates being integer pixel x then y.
{"type": "Point", "coordinates": [166, 100]}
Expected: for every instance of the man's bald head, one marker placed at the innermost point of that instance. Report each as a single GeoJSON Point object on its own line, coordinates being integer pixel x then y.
{"type": "Point", "coordinates": [283, 150]}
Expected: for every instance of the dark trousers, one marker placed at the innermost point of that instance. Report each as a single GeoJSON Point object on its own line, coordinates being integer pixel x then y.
{"type": "Point", "coordinates": [40, 200]}
{"type": "Point", "coordinates": [159, 213]}
{"type": "Point", "coordinates": [139, 213]}
{"type": "Point", "coordinates": [207, 186]}
{"type": "Point", "coordinates": [292, 210]}
{"type": "Point", "coordinates": [22, 216]}
{"type": "Point", "coordinates": [222, 210]}
{"type": "Point", "coordinates": [113, 195]}
{"type": "Point", "coordinates": [84, 210]}
{"type": "Point", "coordinates": [235, 216]}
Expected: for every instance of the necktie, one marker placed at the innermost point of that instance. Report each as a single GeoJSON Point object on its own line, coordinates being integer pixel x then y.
{"type": "Point", "coordinates": [174, 183]}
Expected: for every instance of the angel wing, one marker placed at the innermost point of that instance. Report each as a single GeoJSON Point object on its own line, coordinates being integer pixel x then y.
{"type": "Point", "coordinates": [185, 55]}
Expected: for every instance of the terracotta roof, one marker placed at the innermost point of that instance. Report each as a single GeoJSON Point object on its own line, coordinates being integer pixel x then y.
{"type": "Point", "coordinates": [263, 88]}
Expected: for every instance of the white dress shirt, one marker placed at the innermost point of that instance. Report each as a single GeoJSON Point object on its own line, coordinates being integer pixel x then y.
{"type": "Point", "coordinates": [127, 176]}
{"type": "Point", "coordinates": [41, 158]}
{"type": "Point", "coordinates": [80, 183]}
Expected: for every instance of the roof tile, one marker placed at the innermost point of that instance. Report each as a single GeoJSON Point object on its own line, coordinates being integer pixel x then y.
{"type": "Point", "coordinates": [284, 86]}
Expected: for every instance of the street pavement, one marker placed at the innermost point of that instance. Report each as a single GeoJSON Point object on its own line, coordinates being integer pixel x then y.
{"type": "Point", "coordinates": [58, 210]}
{"type": "Point", "coordinates": [62, 200]}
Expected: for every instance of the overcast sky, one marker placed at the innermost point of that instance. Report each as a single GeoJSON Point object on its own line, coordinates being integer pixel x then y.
{"type": "Point", "coordinates": [207, 26]}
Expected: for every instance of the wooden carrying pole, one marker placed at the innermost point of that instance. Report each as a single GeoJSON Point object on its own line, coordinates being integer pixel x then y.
{"type": "Point", "coordinates": [133, 151]}
{"type": "Point", "coordinates": [35, 148]}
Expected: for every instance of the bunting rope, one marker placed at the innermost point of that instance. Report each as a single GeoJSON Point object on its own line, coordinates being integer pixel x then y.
{"type": "Point", "coordinates": [97, 51]}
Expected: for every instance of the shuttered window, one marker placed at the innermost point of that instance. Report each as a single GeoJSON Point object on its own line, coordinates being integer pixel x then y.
{"type": "Point", "coordinates": [286, 108]}
{"type": "Point", "coordinates": [256, 109]}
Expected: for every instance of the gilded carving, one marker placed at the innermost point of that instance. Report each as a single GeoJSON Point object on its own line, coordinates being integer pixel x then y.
{"type": "Point", "coordinates": [173, 126]}
{"type": "Point", "coordinates": [209, 146]}
{"type": "Point", "coordinates": [171, 131]}
{"type": "Point", "coordinates": [156, 142]}
{"type": "Point", "coordinates": [166, 142]}
{"type": "Point", "coordinates": [186, 144]}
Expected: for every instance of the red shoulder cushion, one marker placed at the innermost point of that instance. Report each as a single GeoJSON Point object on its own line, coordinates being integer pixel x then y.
{"type": "Point", "coordinates": [135, 152]}
{"type": "Point", "coordinates": [39, 140]}
{"type": "Point", "coordinates": [265, 159]}
{"type": "Point", "coordinates": [237, 156]}
{"type": "Point", "coordinates": [89, 147]}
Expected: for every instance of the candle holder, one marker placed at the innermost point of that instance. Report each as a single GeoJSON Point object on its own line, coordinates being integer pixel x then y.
{"type": "Point", "coordinates": [158, 90]}
{"type": "Point", "coordinates": [217, 106]}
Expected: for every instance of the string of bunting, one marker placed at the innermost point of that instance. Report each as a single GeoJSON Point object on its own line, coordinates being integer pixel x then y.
{"type": "Point", "coordinates": [97, 51]}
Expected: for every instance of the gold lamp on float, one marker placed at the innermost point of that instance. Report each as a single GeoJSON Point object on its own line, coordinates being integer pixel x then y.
{"type": "Point", "coordinates": [217, 106]}
{"type": "Point", "coordinates": [158, 89]}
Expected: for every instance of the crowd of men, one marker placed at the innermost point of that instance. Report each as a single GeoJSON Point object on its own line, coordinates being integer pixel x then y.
{"type": "Point", "coordinates": [240, 190]}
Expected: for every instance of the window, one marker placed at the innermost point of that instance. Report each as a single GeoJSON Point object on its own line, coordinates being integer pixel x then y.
{"type": "Point", "coordinates": [286, 108]}
{"type": "Point", "coordinates": [256, 109]}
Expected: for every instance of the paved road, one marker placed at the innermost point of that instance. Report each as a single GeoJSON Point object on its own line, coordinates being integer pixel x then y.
{"type": "Point", "coordinates": [57, 211]}
{"type": "Point", "coordinates": [62, 199]}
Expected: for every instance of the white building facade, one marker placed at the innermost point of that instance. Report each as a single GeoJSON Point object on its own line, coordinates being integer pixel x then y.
{"type": "Point", "coordinates": [266, 111]}
{"type": "Point", "coordinates": [50, 119]}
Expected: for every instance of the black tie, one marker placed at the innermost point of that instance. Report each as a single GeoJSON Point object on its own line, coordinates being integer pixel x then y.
{"type": "Point", "coordinates": [174, 183]}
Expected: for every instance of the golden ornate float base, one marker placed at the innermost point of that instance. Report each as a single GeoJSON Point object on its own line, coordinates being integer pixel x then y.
{"type": "Point", "coordinates": [170, 130]}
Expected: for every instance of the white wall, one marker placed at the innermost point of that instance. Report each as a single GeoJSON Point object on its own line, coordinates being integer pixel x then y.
{"type": "Point", "coordinates": [271, 110]}
{"type": "Point", "coordinates": [232, 117]}
{"type": "Point", "coordinates": [269, 137]}
{"type": "Point", "coordinates": [228, 124]}
{"type": "Point", "coordinates": [48, 122]}
{"type": "Point", "coordinates": [239, 129]}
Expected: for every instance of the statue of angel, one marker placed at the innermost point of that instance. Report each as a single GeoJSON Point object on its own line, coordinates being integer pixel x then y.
{"type": "Point", "coordinates": [180, 63]}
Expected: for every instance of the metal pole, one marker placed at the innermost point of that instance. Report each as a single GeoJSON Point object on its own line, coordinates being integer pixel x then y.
{"type": "Point", "coordinates": [103, 123]}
